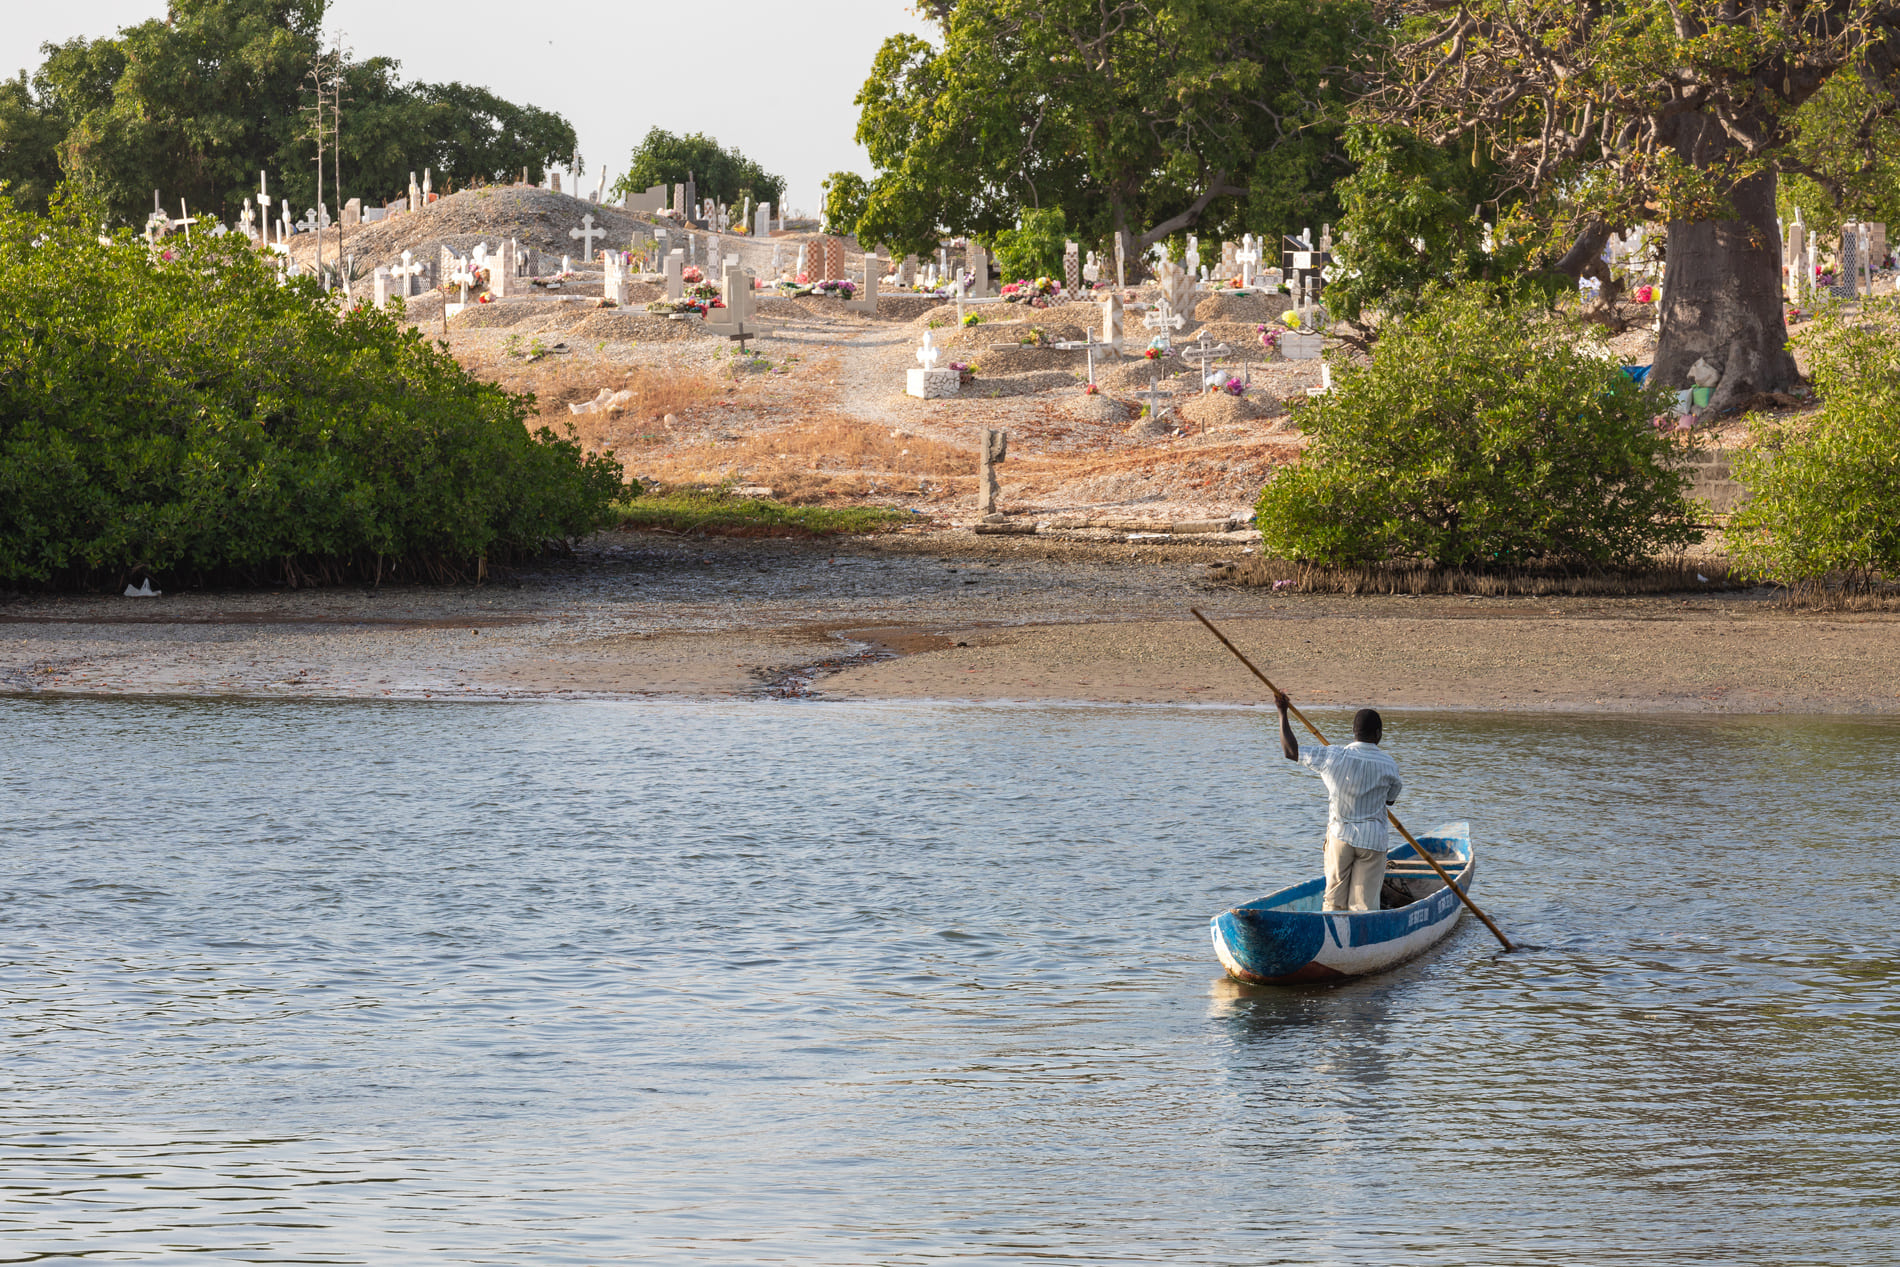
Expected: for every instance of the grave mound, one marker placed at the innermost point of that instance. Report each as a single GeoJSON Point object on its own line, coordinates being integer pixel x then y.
{"type": "Point", "coordinates": [1016, 358]}
{"type": "Point", "coordinates": [1019, 384]}
{"type": "Point", "coordinates": [1099, 408]}
{"type": "Point", "coordinates": [1135, 372]}
{"type": "Point", "coordinates": [537, 219]}
{"type": "Point", "coordinates": [1242, 337]}
{"type": "Point", "coordinates": [1219, 409]}
{"type": "Point", "coordinates": [1242, 308]}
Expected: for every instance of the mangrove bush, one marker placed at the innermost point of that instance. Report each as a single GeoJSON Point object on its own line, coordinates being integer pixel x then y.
{"type": "Point", "coordinates": [174, 411]}
{"type": "Point", "coordinates": [1481, 435]}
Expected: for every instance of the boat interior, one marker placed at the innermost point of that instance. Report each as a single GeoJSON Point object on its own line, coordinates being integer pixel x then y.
{"type": "Point", "coordinates": [1408, 879]}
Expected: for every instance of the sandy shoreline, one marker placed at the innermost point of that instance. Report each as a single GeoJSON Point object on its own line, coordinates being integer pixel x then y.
{"type": "Point", "coordinates": [941, 617]}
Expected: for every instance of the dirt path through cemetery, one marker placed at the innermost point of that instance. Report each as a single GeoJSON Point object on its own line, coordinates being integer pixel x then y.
{"type": "Point", "coordinates": [937, 615]}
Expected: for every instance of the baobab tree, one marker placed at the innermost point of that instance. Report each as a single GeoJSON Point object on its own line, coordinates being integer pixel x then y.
{"type": "Point", "coordinates": [1605, 114]}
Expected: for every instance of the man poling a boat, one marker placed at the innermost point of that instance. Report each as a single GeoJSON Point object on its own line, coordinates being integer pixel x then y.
{"type": "Point", "coordinates": [1361, 780]}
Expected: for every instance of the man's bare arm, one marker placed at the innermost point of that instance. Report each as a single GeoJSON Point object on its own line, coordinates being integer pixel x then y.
{"type": "Point", "coordinates": [1288, 744]}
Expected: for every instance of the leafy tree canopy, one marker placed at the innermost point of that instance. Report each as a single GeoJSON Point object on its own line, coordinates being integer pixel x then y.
{"type": "Point", "coordinates": [844, 202]}
{"type": "Point", "coordinates": [1600, 116]}
{"type": "Point", "coordinates": [196, 105]}
{"type": "Point", "coordinates": [725, 174]}
{"type": "Point", "coordinates": [1145, 117]}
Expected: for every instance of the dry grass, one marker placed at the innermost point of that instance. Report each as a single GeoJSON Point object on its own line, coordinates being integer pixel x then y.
{"type": "Point", "coordinates": [1504, 583]}
{"type": "Point", "coordinates": [827, 458]}
{"type": "Point", "coordinates": [558, 381]}
{"type": "Point", "coordinates": [1844, 592]}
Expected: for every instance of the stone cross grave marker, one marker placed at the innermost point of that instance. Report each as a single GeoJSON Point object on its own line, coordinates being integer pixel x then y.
{"type": "Point", "coordinates": [263, 201]}
{"type": "Point", "coordinates": [1121, 261]}
{"type": "Point", "coordinates": [1166, 320]}
{"type": "Point", "coordinates": [586, 234]}
{"type": "Point", "coordinates": [1086, 344]}
{"type": "Point", "coordinates": [1158, 405]}
{"type": "Point", "coordinates": [932, 381]}
{"type": "Point", "coordinates": [1072, 269]}
{"type": "Point", "coordinates": [989, 489]}
{"type": "Point", "coordinates": [406, 273]}
{"type": "Point", "coordinates": [248, 218]}
{"type": "Point", "coordinates": [1204, 354]}
{"type": "Point", "coordinates": [1248, 256]}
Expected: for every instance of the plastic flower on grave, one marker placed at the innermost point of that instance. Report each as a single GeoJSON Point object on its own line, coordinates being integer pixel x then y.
{"type": "Point", "coordinates": [1291, 320]}
{"type": "Point", "coordinates": [1153, 354]}
{"type": "Point", "coordinates": [1090, 389]}
{"type": "Point", "coordinates": [1643, 294]}
{"type": "Point", "coordinates": [691, 274]}
{"type": "Point", "coordinates": [1234, 387]}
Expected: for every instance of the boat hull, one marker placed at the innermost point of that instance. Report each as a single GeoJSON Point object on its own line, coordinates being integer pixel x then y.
{"type": "Point", "coordinates": [1285, 939]}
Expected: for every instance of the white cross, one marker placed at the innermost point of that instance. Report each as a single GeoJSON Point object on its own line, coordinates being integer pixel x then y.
{"type": "Point", "coordinates": [405, 271]}
{"type": "Point", "coordinates": [1248, 255]}
{"type": "Point", "coordinates": [1204, 353]}
{"type": "Point", "coordinates": [1164, 319]}
{"type": "Point", "coordinates": [586, 235]}
{"type": "Point", "coordinates": [1087, 345]}
{"type": "Point", "coordinates": [263, 200]}
{"type": "Point", "coordinates": [929, 354]}
{"type": "Point", "coordinates": [1155, 408]}
{"type": "Point", "coordinates": [248, 218]}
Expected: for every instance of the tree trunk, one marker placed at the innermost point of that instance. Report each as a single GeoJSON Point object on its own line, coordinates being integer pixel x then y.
{"type": "Point", "coordinates": [1722, 298]}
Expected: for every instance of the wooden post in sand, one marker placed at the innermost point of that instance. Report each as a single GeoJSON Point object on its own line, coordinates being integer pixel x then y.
{"type": "Point", "coordinates": [988, 488]}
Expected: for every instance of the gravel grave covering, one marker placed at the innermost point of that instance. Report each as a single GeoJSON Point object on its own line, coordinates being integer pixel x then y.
{"type": "Point", "coordinates": [1243, 308]}
{"type": "Point", "coordinates": [1218, 409]}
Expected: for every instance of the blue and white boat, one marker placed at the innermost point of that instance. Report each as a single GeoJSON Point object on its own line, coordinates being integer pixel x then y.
{"type": "Point", "coordinates": [1285, 938]}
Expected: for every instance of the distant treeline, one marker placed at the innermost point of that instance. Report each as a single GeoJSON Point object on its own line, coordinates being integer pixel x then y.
{"type": "Point", "coordinates": [195, 106]}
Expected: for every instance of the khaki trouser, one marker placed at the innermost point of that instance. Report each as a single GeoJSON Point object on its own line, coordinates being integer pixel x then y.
{"type": "Point", "coordinates": [1353, 876]}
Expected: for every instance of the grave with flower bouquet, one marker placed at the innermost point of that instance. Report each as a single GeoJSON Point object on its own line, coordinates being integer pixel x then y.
{"type": "Point", "coordinates": [1037, 293]}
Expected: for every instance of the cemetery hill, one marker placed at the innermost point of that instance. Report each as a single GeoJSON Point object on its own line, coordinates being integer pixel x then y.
{"type": "Point", "coordinates": [1407, 326]}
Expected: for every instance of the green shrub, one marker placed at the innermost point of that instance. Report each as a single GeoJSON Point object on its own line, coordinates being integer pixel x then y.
{"type": "Point", "coordinates": [1825, 489]}
{"type": "Point", "coordinates": [182, 415]}
{"type": "Point", "coordinates": [1035, 249]}
{"type": "Point", "coordinates": [1480, 435]}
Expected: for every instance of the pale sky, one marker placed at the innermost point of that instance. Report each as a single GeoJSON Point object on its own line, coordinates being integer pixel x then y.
{"type": "Point", "coordinates": [614, 69]}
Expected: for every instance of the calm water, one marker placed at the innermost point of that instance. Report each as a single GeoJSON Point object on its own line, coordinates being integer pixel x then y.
{"type": "Point", "coordinates": [396, 983]}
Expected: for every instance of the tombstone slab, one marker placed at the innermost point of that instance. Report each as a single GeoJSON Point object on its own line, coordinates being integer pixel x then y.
{"type": "Point", "coordinates": [932, 384]}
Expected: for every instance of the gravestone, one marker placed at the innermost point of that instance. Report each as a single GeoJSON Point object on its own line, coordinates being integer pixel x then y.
{"type": "Point", "coordinates": [979, 268]}
{"type": "Point", "coordinates": [248, 219]}
{"type": "Point", "coordinates": [554, 182]}
{"type": "Point", "coordinates": [501, 270]}
{"type": "Point", "coordinates": [762, 221]}
{"type": "Point", "coordinates": [932, 381]}
{"type": "Point", "coordinates": [649, 203]}
{"type": "Point", "coordinates": [1847, 280]}
{"type": "Point", "coordinates": [352, 213]}
{"type": "Point", "coordinates": [1304, 264]}
{"type": "Point", "coordinates": [614, 285]}
{"type": "Point", "coordinates": [415, 194]}
{"type": "Point", "coordinates": [1177, 286]}
{"type": "Point", "coordinates": [866, 298]}
{"type": "Point", "coordinates": [1229, 261]}
{"type": "Point", "coordinates": [1112, 321]}
{"type": "Point", "coordinates": [679, 201]}
{"type": "Point", "coordinates": [989, 489]}
{"type": "Point", "coordinates": [1193, 256]}
{"type": "Point", "coordinates": [734, 319]}
{"type": "Point", "coordinates": [907, 272]}
{"type": "Point", "coordinates": [1092, 269]}
{"type": "Point", "coordinates": [1072, 269]}
{"type": "Point", "coordinates": [675, 265]}
{"type": "Point", "coordinates": [1121, 260]}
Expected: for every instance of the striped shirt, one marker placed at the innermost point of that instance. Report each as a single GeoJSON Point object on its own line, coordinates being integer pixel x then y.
{"type": "Point", "coordinates": [1361, 780]}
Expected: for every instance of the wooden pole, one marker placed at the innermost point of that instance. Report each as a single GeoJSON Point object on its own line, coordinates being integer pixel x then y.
{"type": "Point", "coordinates": [1420, 849]}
